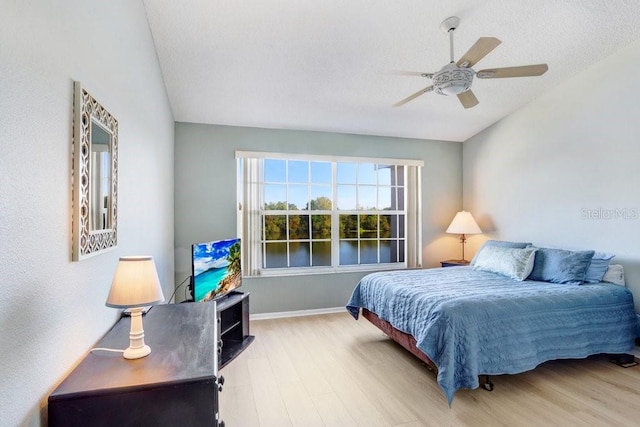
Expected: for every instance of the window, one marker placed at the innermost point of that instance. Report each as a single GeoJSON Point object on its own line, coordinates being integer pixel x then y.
{"type": "Point", "coordinates": [313, 213]}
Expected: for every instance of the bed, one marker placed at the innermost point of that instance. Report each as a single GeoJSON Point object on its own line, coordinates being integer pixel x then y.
{"type": "Point", "coordinates": [469, 323]}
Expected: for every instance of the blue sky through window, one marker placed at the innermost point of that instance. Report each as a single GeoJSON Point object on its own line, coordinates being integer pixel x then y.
{"type": "Point", "coordinates": [298, 171]}
{"type": "Point", "coordinates": [360, 185]}
{"type": "Point", "coordinates": [321, 172]}
{"type": "Point", "coordinates": [275, 170]}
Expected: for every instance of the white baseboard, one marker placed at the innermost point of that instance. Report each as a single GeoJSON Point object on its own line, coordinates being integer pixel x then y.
{"type": "Point", "coordinates": [298, 313]}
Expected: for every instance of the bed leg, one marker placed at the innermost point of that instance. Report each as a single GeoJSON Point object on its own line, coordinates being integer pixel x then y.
{"type": "Point", "coordinates": [624, 360]}
{"type": "Point", "coordinates": [487, 384]}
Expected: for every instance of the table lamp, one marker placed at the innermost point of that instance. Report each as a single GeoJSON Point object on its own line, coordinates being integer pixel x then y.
{"type": "Point", "coordinates": [135, 285]}
{"type": "Point", "coordinates": [463, 223]}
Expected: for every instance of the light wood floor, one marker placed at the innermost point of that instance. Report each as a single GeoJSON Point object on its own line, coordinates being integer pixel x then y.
{"type": "Point", "coordinates": [331, 370]}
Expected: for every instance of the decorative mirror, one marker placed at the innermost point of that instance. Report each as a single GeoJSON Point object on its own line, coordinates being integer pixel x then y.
{"type": "Point", "coordinates": [95, 176]}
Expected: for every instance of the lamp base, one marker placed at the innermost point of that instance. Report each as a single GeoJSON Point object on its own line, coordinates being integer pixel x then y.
{"type": "Point", "coordinates": [137, 347]}
{"type": "Point", "coordinates": [463, 240]}
{"type": "Point", "coordinates": [136, 353]}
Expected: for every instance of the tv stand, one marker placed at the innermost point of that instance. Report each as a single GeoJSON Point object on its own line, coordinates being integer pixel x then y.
{"type": "Point", "coordinates": [233, 321]}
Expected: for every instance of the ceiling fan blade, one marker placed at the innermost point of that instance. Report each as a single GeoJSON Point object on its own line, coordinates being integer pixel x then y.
{"type": "Point", "coordinates": [411, 73]}
{"type": "Point", "coordinates": [479, 50]}
{"type": "Point", "coordinates": [414, 96]}
{"type": "Point", "coordinates": [468, 99]}
{"type": "Point", "coordinates": [522, 71]}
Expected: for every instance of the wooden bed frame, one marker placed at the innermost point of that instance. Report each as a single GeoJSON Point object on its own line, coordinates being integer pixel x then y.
{"type": "Point", "coordinates": [405, 340]}
{"type": "Point", "coordinates": [409, 343]}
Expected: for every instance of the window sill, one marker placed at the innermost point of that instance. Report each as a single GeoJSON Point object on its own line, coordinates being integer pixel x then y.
{"type": "Point", "coordinates": [278, 272]}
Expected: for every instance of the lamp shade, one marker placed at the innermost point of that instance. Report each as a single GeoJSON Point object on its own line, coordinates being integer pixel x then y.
{"type": "Point", "coordinates": [463, 223]}
{"type": "Point", "coordinates": [135, 283]}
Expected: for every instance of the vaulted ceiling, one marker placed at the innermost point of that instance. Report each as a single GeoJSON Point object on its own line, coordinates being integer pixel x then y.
{"type": "Point", "coordinates": [328, 65]}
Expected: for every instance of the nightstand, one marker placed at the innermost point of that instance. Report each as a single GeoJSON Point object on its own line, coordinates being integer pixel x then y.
{"type": "Point", "coordinates": [454, 263]}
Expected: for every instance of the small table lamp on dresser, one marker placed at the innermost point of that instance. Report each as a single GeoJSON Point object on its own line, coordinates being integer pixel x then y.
{"type": "Point", "coordinates": [463, 224]}
{"type": "Point", "coordinates": [135, 285]}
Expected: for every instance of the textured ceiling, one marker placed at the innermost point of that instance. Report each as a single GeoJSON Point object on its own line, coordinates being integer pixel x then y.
{"type": "Point", "coordinates": [325, 64]}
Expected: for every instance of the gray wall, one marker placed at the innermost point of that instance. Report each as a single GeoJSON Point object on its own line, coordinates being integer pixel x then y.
{"type": "Point", "coordinates": [573, 153]}
{"type": "Point", "coordinates": [52, 310]}
{"type": "Point", "coordinates": [205, 200]}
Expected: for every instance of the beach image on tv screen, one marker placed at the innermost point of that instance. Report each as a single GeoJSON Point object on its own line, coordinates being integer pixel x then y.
{"type": "Point", "coordinates": [216, 268]}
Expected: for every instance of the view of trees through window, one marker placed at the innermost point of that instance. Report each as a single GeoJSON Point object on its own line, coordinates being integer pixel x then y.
{"type": "Point", "coordinates": [318, 213]}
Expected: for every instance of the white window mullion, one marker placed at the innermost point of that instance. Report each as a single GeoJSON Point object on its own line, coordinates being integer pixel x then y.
{"type": "Point", "coordinates": [286, 227]}
{"type": "Point", "coordinates": [309, 222]}
{"type": "Point", "coordinates": [335, 218]}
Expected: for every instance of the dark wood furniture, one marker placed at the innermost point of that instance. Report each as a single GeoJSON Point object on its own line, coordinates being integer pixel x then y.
{"type": "Point", "coordinates": [233, 315]}
{"type": "Point", "coordinates": [454, 263]}
{"type": "Point", "coordinates": [177, 384]}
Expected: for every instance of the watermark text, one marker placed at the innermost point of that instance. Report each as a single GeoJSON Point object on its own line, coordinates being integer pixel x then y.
{"type": "Point", "coordinates": [609, 214]}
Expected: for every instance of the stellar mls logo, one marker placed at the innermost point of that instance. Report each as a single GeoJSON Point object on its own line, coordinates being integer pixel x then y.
{"type": "Point", "coordinates": [610, 214]}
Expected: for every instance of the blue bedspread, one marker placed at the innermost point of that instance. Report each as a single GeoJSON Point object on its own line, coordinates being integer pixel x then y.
{"type": "Point", "coordinates": [472, 323]}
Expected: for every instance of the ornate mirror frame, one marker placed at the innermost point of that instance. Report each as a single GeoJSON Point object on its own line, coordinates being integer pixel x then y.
{"type": "Point", "coordinates": [87, 239]}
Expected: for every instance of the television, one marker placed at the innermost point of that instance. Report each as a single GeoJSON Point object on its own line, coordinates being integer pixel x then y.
{"type": "Point", "coordinates": [216, 269]}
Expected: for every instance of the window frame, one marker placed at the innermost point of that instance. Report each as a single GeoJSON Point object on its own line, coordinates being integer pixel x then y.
{"type": "Point", "coordinates": [335, 213]}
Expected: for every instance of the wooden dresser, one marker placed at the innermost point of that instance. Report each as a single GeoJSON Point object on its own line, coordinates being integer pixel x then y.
{"type": "Point", "coordinates": [177, 384]}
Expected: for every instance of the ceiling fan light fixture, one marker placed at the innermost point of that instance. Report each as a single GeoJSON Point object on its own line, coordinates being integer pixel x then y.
{"type": "Point", "coordinates": [452, 89]}
{"type": "Point", "coordinates": [452, 80]}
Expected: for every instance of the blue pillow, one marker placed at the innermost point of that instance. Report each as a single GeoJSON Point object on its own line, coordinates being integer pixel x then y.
{"type": "Point", "coordinates": [515, 263]}
{"type": "Point", "coordinates": [598, 267]}
{"type": "Point", "coordinates": [561, 266]}
{"type": "Point", "coordinates": [499, 243]}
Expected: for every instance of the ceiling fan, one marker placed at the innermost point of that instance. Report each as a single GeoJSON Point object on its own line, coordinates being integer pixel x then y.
{"type": "Point", "coordinates": [456, 78]}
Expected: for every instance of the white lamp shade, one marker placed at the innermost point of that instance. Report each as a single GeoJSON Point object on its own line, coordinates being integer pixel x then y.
{"type": "Point", "coordinates": [135, 283]}
{"type": "Point", "coordinates": [463, 223]}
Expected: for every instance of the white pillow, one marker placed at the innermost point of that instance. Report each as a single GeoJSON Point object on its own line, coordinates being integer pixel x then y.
{"type": "Point", "coordinates": [511, 262]}
{"type": "Point", "coordinates": [614, 274]}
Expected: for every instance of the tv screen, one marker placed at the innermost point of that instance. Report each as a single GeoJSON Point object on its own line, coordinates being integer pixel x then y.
{"type": "Point", "coordinates": [216, 268]}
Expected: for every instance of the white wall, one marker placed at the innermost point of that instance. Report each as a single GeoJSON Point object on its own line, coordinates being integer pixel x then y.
{"type": "Point", "coordinates": [205, 200]}
{"type": "Point", "coordinates": [52, 309]}
{"type": "Point", "coordinates": [536, 175]}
